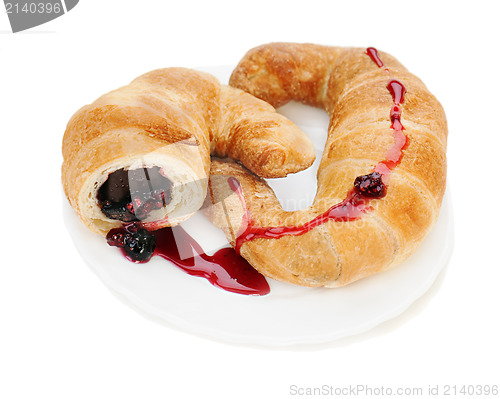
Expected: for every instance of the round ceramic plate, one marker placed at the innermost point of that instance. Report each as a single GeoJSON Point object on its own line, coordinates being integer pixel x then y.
{"type": "Point", "coordinates": [289, 315]}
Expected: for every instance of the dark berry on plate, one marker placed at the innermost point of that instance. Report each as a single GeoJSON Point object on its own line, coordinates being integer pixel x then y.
{"type": "Point", "coordinates": [139, 245]}
{"type": "Point", "coordinates": [370, 185]}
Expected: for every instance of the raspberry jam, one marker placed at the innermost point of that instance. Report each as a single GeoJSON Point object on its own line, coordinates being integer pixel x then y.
{"type": "Point", "coordinates": [224, 269]}
{"type": "Point", "coordinates": [350, 209]}
{"type": "Point", "coordinates": [373, 54]}
{"type": "Point", "coordinates": [130, 195]}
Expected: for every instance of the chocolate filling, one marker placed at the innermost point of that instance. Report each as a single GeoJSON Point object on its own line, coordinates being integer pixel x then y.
{"type": "Point", "coordinates": [130, 195]}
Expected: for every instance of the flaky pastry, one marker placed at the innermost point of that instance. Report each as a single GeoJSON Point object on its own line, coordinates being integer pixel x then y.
{"type": "Point", "coordinates": [380, 182]}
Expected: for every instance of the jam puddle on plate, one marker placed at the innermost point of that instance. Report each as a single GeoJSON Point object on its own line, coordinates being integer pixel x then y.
{"type": "Point", "coordinates": [224, 269]}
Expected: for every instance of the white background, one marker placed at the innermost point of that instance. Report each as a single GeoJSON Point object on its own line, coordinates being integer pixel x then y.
{"type": "Point", "coordinates": [63, 335]}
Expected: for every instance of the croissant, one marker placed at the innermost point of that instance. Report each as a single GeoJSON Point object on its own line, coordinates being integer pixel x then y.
{"type": "Point", "coordinates": [142, 152]}
{"type": "Point", "coordinates": [381, 178]}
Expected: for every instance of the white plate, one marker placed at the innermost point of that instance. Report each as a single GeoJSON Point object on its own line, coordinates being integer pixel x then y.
{"type": "Point", "coordinates": [289, 315]}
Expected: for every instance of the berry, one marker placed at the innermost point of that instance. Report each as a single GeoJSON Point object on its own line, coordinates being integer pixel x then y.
{"type": "Point", "coordinates": [116, 238]}
{"type": "Point", "coordinates": [370, 185]}
{"type": "Point", "coordinates": [130, 195]}
{"type": "Point", "coordinates": [139, 245]}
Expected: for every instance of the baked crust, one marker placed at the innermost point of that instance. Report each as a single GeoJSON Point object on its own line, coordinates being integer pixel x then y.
{"type": "Point", "coordinates": [353, 90]}
{"type": "Point", "coordinates": [174, 118]}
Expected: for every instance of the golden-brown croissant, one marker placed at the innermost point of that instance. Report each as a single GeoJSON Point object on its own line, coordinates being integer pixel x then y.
{"type": "Point", "coordinates": [380, 182]}
{"type": "Point", "coordinates": [142, 152]}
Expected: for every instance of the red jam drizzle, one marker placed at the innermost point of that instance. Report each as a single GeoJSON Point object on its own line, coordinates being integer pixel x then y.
{"type": "Point", "coordinates": [356, 203]}
{"type": "Point", "coordinates": [225, 269]}
{"type": "Point", "coordinates": [394, 154]}
{"type": "Point", "coordinates": [373, 54]}
{"type": "Point", "coordinates": [349, 209]}
{"type": "Point", "coordinates": [397, 91]}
